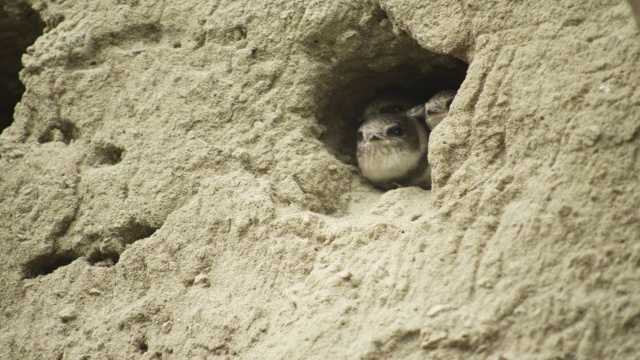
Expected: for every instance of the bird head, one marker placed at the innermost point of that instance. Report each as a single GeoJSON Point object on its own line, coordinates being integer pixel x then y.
{"type": "Point", "coordinates": [401, 129]}
{"type": "Point", "coordinates": [437, 108]}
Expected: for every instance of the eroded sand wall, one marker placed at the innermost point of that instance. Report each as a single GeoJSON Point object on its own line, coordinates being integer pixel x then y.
{"type": "Point", "coordinates": [174, 184]}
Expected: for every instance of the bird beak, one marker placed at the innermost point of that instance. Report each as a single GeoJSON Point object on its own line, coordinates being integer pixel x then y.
{"type": "Point", "coordinates": [374, 136]}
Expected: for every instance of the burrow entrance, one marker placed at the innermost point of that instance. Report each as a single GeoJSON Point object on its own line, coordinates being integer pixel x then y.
{"type": "Point", "coordinates": [386, 61]}
{"type": "Point", "coordinates": [106, 254]}
{"type": "Point", "coordinates": [20, 26]}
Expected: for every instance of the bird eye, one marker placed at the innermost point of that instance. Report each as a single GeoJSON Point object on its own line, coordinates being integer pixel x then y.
{"type": "Point", "coordinates": [395, 131]}
{"type": "Point", "coordinates": [360, 136]}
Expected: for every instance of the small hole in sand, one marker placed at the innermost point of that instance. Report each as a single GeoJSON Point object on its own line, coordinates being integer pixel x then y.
{"type": "Point", "coordinates": [135, 231]}
{"type": "Point", "coordinates": [142, 345]}
{"type": "Point", "coordinates": [100, 259]}
{"type": "Point", "coordinates": [62, 130]}
{"type": "Point", "coordinates": [107, 154]}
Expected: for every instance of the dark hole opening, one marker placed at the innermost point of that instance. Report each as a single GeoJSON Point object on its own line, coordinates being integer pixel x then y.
{"type": "Point", "coordinates": [20, 26]}
{"type": "Point", "coordinates": [46, 264]}
{"type": "Point", "coordinates": [112, 155]}
{"type": "Point", "coordinates": [61, 130]}
{"type": "Point", "coordinates": [378, 59]}
{"type": "Point", "coordinates": [413, 81]}
{"type": "Point", "coordinates": [143, 347]}
{"type": "Point", "coordinates": [135, 231]}
{"type": "Point", "coordinates": [106, 259]}
{"type": "Point", "coordinates": [107, 154]}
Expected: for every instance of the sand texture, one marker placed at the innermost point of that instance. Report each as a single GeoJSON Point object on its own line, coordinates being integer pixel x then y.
{"type": "Point", "coordinates": [179, 183]}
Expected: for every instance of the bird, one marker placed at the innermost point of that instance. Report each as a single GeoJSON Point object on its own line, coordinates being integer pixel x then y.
{"type": "Point", "coordinates": [393, 139]}
{"type": "Point", "coordinates": [389, 103]}
{"type": "Point", "coordinates": [392, 146]}
{"type": "Point", "coordinates": [437, 107]}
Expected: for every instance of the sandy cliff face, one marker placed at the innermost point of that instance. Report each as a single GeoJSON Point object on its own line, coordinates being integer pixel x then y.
{"type": "Point", "coordinates": [178, 182]}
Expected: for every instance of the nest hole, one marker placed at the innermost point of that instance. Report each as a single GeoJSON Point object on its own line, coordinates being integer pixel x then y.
{"type": "Point", "coordinates": [385, 61]}
{"type": "Point", "coordinates": [20, 26]}
{"type": "Point", "coordinates": [342, 114]}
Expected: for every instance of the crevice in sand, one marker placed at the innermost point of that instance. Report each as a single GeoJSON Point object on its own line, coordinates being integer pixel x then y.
{"type": "Point", "coordinates": [107, 255]}
{"type": "Point", "coordinates": [134, 231]}
{"type": "Point", "coordinates": [47, 263]}
{"type": "Point", "coordinates": [20, 26]}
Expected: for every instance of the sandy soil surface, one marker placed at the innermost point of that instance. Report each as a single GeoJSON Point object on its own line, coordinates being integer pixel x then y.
{"type": "Point", "coordinates": [179, 183]}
